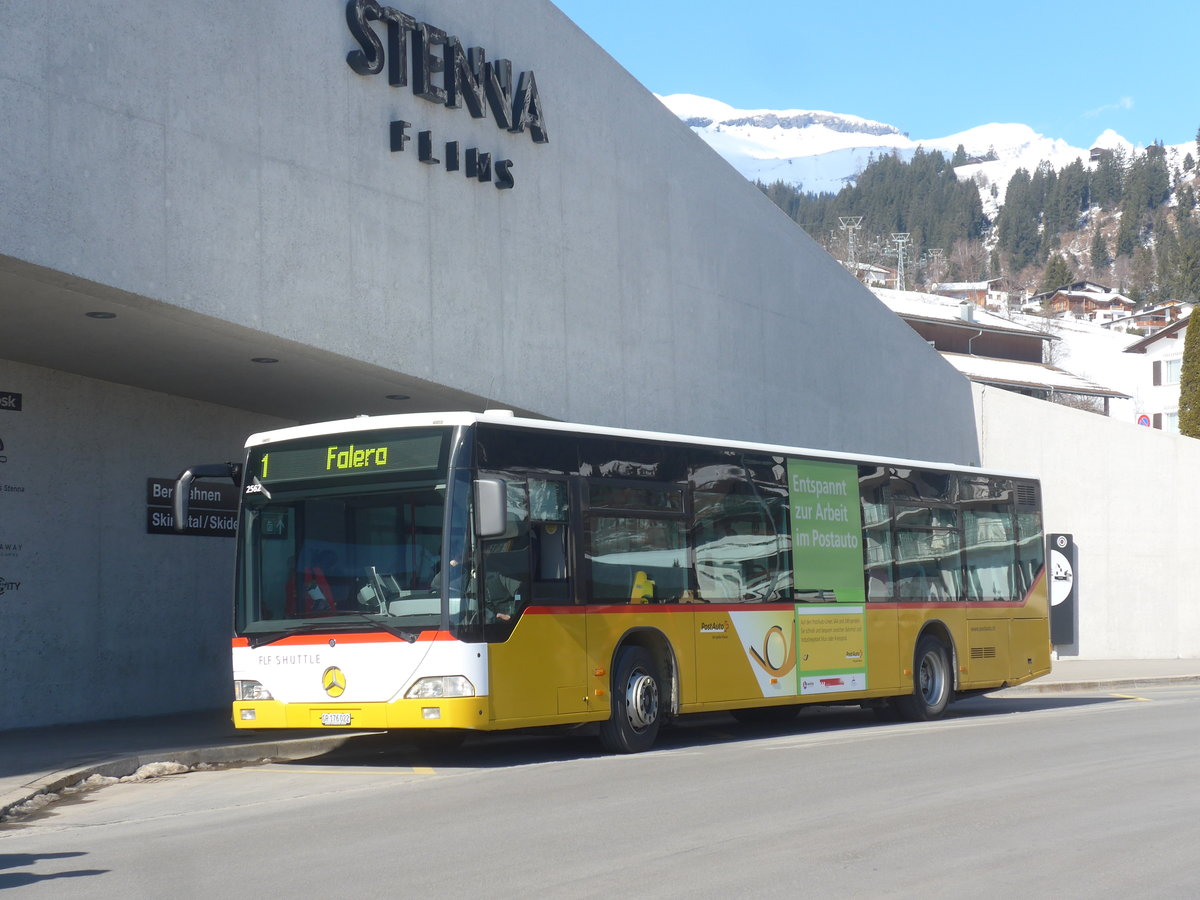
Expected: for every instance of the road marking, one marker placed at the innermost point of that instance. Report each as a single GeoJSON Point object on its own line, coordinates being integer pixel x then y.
{"type": "Point", "coordinates": [1131, 697]}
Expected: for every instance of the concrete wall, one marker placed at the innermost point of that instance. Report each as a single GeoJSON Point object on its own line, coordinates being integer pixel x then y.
{"type": "Point", "coordinates": [1129, 496]}
{"type": "Point", "coordinates": [100, 619]}
{"type": "Point", "coordinates": [230, 162]}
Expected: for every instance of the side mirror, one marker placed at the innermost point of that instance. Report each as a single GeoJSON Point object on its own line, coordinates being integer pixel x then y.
{"type": "Point", "coordinates": [491, 507]}
{"type": "Point", "coordinates": [183, 486]}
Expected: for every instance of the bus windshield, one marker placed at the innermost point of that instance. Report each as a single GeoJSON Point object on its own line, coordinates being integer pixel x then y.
{"type": "Point", "coordinates": [331, 550]}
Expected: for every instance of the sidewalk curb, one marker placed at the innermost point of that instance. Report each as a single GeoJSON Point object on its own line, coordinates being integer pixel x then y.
{"type": "Point", "coordinates": [219, 754]}
{"type": "Point", "coordinates": [1098, 684]}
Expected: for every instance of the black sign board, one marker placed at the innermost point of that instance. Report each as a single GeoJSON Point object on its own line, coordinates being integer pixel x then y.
{"type": "Point", "coordinates": [10, 401]}
{"type": "Point", "coordinates": [1062, 566]}
{"type": "Point", "coordinates": [212, 508]}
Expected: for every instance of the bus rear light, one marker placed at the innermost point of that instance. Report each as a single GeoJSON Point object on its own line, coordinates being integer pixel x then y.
{"type": "Point", "coordinates": [250, 690]}
{"type": "Point", "coordinates": [440, 686]}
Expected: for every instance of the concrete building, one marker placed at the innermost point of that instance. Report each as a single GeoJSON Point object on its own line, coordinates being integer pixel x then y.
{"type": "Point", "coordinates": [228, 220]}
{"type": "Point", "coordinates": [1126, 495]}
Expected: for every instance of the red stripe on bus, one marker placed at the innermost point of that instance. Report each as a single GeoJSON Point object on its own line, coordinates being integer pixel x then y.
{"type": "Point", "coordinates": [947, 604]}
{"type": "Point", "coordinates": [634, 608]}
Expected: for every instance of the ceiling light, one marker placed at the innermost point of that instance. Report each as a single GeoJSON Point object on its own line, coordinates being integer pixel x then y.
{"type": "Point", "coordinates": [264, 359]}
{"type": "Point", "coordinates": [101, 315]}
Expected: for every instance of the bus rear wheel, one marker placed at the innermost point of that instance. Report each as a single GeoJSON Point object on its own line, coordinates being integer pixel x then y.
{"type": "Point", "coordinates": [931, 682]}
{"type": "Point", "coordinates": [636, 703]}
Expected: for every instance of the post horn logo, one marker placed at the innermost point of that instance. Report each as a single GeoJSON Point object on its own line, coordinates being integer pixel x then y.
{"type": "Point", "coordinates": [777, 657]}
{"type": "Point", "coordinates": [333, 681]}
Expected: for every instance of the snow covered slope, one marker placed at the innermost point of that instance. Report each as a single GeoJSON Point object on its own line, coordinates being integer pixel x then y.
{"type": "Point", "coordinates": [823, 151]}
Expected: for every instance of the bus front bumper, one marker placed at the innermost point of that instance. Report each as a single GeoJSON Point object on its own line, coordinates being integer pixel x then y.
{"type": "Point", "coordinates": [454, 712]}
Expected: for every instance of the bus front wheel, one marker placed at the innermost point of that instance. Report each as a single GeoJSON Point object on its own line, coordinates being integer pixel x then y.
{"type": "Point", "coordinates": [931, 682]}
{"type": "Point", "coordinates": [636, 703]}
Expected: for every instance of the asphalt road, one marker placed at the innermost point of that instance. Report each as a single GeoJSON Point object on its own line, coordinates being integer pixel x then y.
{"type": "Point", "coordinates": [1048, 795]}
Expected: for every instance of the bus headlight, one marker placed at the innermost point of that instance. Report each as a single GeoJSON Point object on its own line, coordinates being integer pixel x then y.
{"type": "Point", "coordinates": [440, 686]}
{"type": "Point", "coordinates": [250, 690]}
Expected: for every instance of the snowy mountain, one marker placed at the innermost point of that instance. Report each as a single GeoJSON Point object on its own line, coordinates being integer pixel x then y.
{"type": "Point", "coordinates": [823, 151]}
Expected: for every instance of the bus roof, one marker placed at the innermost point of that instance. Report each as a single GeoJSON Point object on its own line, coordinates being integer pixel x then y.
{"type": "Point", "coordinates": [504, 417]}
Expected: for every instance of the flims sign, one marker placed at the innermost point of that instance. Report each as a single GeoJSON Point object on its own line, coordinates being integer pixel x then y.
{"type": "Point", "coordinates": [445, 73]}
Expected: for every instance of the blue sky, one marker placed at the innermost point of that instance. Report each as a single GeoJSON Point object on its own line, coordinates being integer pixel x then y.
{"type": "Point", "coordinates": [1067, 70]}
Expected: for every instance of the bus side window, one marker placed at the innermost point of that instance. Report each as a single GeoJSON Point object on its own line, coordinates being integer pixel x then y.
{"type": "Point", "coordinates": [878, 552]}
{"type": "Point", "coordinates": [739, 555]}
{"type": "Point", "coordinates": [635, 542]}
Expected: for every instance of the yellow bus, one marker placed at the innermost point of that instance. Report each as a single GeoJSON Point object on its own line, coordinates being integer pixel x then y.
{"type": "Point", "coordinates": [479, 572]}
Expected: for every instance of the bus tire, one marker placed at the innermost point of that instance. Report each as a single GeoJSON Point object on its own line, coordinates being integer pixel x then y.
{"type": "Point", "coordinates": [637, 699]}
{"type": "Point", "coordinates": [931, 682]}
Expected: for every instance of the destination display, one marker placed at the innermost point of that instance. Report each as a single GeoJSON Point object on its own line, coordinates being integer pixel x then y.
{"type": "Point", "coordinates": [360, 455]}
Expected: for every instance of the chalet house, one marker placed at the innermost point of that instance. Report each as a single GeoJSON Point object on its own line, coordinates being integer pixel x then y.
{"type": "Point", "coordinates": [989, 349]}
{"type": "Point", "coordinates": [1153, 319]}
{"type": "Point", "coordinates": [872, 276]}
{"type": "Point", "coordinates": [1088, 301]}
{"type": "Point", "coordinates": [982, 293]}
{"type": "Point", "coordinates": [1160, 376]}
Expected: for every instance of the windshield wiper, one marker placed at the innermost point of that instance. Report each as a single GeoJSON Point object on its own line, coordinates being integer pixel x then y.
{"type": "Point", "coordinates": [390, 629]}
{"type": "Point", "coordinates": [261, 638]}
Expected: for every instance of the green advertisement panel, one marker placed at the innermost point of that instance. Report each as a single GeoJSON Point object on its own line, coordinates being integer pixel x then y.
{"type": "Point", "coordinates": [827, 554]}
{"type": "Point", "coordinates": [833, 649]}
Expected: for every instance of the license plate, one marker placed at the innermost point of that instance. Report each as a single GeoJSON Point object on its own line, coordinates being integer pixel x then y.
{"type": "Point", "coordinates": [335, 718]}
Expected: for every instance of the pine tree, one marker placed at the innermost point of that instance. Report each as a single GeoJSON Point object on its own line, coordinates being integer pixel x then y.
{"type": "Point", "coordinates": [1057, 274]}
{"type": "Point", "coordinates": [1185, 283]}
{"type": "Point", "coordinates": [1108, 179]}
{"type": "Point", "coordinates": [1099, 254]}
{"type": "Point", "coordinates": [1141, 275]}
{"type": "Point", "coordinates": [1186, 199]}
{"type": "Point", "coordinates": [1018, 220]}
{"type": "Point", "coordinates": [1189, 381]}
{"type": "Point", "coordinates": [1128, 232]}
{"type": "Point", "coordinates": [960, 156]}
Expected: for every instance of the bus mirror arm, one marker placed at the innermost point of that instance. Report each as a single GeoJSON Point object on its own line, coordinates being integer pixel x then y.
{"type": "Point", "coordinates": [183, 486]}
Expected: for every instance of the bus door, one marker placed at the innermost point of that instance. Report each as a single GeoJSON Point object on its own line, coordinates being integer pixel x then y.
{"type": "Point", "coordinates": [991, 577]}
{"type": "Point", "coordinates": [535, 631]}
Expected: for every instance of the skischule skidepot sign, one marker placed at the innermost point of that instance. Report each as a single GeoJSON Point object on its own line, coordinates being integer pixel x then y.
{"type": "Point", "coordinates": [441, 71]}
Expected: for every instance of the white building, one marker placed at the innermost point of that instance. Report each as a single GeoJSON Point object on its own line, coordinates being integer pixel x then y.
{"type": "Point", "coordinates": [1159, 375]}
